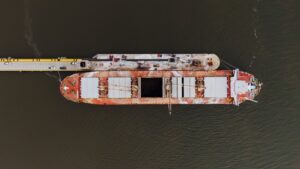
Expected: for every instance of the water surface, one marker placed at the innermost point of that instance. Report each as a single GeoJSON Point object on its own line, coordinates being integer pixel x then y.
{"type": "Point", "coordinates": [40, 129]}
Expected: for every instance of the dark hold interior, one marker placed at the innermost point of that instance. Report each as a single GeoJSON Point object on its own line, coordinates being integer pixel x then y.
{"type": "Point", "coordinates": [151, 87]}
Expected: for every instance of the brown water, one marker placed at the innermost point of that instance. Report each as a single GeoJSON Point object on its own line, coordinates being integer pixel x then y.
{"type": "Point", "coordinates": [40, 129]}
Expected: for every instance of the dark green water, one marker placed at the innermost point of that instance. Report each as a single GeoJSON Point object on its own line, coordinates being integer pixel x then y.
{"type": "Point", "coordinates": [40, 129]}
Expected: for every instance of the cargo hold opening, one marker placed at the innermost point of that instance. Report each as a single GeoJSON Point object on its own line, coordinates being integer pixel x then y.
{"type": "Point", "coordinates": [151, 87]}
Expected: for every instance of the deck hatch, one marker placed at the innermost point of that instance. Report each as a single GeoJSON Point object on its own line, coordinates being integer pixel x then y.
{"type": "Point", "coordinates": [183, 87]}
{"type": "Point", "coordinates": [176, 87]}
{"type": "Point", "coordinates": [119, 87]}
{"type": "Point", "coordinates": [89, 88]}
{"type": "Point", "coordinates": [151, 87]}
{"type": "Point", "coordinates": [189, 86]}
{"type": "Point", "coordinates": [215, 87]}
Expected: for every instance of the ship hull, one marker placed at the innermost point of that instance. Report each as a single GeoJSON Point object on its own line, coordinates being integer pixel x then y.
{"type": "Point", "coordinates": [174, 87]}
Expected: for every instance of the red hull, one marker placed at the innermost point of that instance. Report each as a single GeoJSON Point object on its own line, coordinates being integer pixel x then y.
{"type": "Point", "coordinates": [237, 91]}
